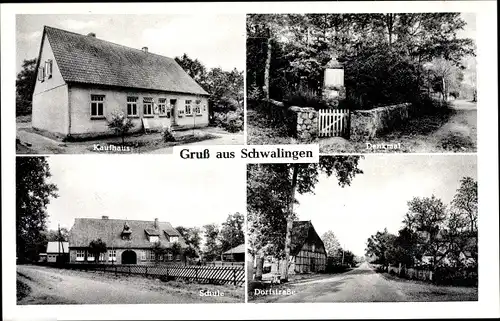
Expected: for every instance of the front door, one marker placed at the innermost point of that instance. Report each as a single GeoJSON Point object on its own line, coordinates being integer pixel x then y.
{"type": "Point", "coordinates": [129, 257]}
{"type": "Point", "coordinates": [173, 109]}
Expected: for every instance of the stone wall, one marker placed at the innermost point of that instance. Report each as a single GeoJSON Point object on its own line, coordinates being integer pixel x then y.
{"type": "Point", "coordinates": [367, 124]}
{"type": "Point", "coordinates": [305, 122]}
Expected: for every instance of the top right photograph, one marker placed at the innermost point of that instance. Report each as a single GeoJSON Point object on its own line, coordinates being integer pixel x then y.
{"type": "Point", "coordinates": [363, 83]}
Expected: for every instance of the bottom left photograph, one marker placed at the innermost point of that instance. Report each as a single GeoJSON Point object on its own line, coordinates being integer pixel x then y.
{"type": "Point", "coordinates": [125, 230]}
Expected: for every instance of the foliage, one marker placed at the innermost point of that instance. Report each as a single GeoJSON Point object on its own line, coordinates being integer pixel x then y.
{"type": "Point", "coordinates": [268, 194]}
{"type": "Point", "coordinates": [56, 235]}
{"type": "Point", "coordinates": [231, 233]}
{"type": "Point", "coordinates": [443, 237]}
{"type": "Point", "coordinates": [225, 87]}
{"type": "Point", "coordinates": [332, 245]}
{"type": "Point", "coordinates": [383, 54]}
{"type": "Point", "coordinates": [25, 85]}
{"type": "Point", "coordinates": [231, 121]}
{"type": "Point", "coordinates": [168, 135]}
{"type": "Point", "coordinates": [96, 247]}
{"type": "Point", "coordinates": [191, 235]}
{"type": "Point", "coordinates": [120, 124]}
{"type": "Point", "coordinates": [33, 194]}
{"type": "Point", "coordinates": [212, 248]}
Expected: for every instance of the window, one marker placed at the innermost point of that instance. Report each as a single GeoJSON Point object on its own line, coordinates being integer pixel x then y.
{"type": "Point", "coordinates": [197, 107]}
{"type": "Point", "coordinates": [112, 255]}
{"type": "Point", "coordinates": [162, 106]}
{"type": "Point", "coordinates": [41, 74]}
{"type": "Point", "coordinates": [204, 107]}
{"type": "Point", "coordinates": [97, 105]}
{"type": "Point", "coordinates": [80, 255]}
{"type": "Point", "coordinates": [151, 255]}
{"type": "Point", "coordinates": [90, 257]}
{"type": "Point", "coordinates": [101, 257]}
{"type": "Point", "coordinates": [48, 68]}
{"type": "Point", "coordinates": [143, 255]}
{"type": "Point", "coordinates": [132, 106]}
{"type": "Point", "coordinates": [153, 238]}
{"type": "Point", "coordinates": [174, 239]}
{"type": "Point", "coordinates": [188, 107]}
{"type": "Point", "coordinates": [170, 257]}
{"type": "Point", "coordinates": [147, 104]}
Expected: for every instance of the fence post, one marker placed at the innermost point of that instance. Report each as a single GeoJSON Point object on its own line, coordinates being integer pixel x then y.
{"type": "Point", "coordinates": [234, 276]}
{"type": "Point", "coordinates": [116, 272]}
{"type": "Point", "coordinates": [196, 270]}
{"type": "Point", "coordinates": [146, 271]}
{"type": "Point", "coordinates": [129, 270]}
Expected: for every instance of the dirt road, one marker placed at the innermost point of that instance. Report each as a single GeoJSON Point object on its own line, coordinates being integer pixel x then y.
{"type": "Point", "coordinates": [365, 285]}
{"type": "Point", "coordinates": [59, 286]}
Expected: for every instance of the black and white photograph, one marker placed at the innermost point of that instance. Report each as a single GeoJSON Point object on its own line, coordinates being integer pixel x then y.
{"type": "Point", "coordinates": [363, 83]}
{"type": "Point", "coordinates": [90, 231]}
{"type": "Point", "coordinates": [364, 229]}
{"type": "Point", "coordinates": [128, 83]}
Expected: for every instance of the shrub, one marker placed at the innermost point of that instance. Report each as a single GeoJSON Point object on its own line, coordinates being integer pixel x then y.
{"type": "Point", "coordinates": [305, 98]}
{"type": "Point", "coordinates": [231, 121]}
{"type": "Point", "coordinates": [168, 135]}
{"type": "Point", "coordinates": [120, 124]}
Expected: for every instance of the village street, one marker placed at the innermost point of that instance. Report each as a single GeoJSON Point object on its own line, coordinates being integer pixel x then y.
{"type": "Point", "coordinates": [44, 285]}
{"type": "Point", "coordinates": [363, 284]}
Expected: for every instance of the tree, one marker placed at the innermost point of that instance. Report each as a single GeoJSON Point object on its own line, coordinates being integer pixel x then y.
{"type": "Point", "coordinates": [273, 192]}
{"type": "Point", "coordinates": [191, 235]}
{"type": "Point", "coordinates": [194, 68]}
{"type": "Point", "coordinates": [176, 250]}
{"type": "Point", "coordinates": [332, 245]}
{"type": "Point", "coordinates": [426, 216]}
{"type": "Point", "coordinates": [120, 124]}
{"type": "Point", "coordinates": [231, 233]}
{"type": "Point", "coordinates": [212, 247]}
{"type": "Point", "coordinates": [25, 84]}
{"type": "Point", "coordinates": [33, 194]}
{"type": "Point", "coordinates": [57, 235]}
{"type": "Point", "coordinates": [96, 247]}
{"type": "Point", "coordinates": [464, 203]}
{"type": "Point", "coordinates": [379, 245]}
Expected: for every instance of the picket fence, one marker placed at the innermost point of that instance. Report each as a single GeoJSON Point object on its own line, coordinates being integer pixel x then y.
{"type": "Point", "coordinates": [234, 275]}
{"type": "Point", "coordinates": [333, 122]}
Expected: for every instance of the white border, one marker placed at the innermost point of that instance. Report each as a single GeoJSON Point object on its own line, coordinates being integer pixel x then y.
{"type": "Point", "coordinates": [488, 304]}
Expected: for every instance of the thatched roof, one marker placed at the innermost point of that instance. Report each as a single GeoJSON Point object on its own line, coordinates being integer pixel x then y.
{"type": "Point", "coordinates": [110, 231]}
{"type": "Point", "coordinates": [303, 232]}
{"type": "Point", "coordinates": [90, 60]}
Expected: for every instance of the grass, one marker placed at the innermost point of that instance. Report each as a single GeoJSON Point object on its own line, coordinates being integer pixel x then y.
{"type": "Point", "coordinates": [145, 146]}
{"type": "Point", "coordinates": [22, 289]}
{"type": "Point", "coordinates": [261, 132]}
{"type": "Point", "coordinates": [23, 119]}
{"type": "Point", "coordinates": [421, 134]}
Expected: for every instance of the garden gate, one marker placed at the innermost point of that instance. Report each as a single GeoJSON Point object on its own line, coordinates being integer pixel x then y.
{"type": "Point", "coordinates": [333, 122]}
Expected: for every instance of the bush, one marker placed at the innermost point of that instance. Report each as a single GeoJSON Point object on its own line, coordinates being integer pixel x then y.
{"type": "Point", "coordinates": [168, 135]}
{"type": "Point", "coordinates": [231, 121]}
{"type": "Point", "coordinates": [120, 124]}
{"type": "Point", "coordinates": [305, 98]}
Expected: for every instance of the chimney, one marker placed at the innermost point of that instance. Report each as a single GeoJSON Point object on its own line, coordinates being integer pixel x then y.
{"type": "Point", "coordinates": [145, 49]}
{"type": "Point", "coordinates": [156, 223]}
{"type": "Point", "coordinates": [91, 34]}
{"type": "Point", "coordinates": [105, 217]}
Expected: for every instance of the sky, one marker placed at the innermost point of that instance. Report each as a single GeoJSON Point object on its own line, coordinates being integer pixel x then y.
{"type": "Point", "coordinates": [378, 198]}
{"type": "Point", "coordinates": [141, 187]}
{"type": "Point", "coordinates": [215, 40]}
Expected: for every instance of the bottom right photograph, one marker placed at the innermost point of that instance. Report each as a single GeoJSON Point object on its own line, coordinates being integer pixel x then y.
{"type": "Point", "coordinates": [373, 228]}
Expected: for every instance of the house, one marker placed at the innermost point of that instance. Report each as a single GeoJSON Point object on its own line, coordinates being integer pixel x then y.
{"type": "Point", "coordinates": [82, 80]}
{"type": "Point", "coordinates": [57, 251]}
{"type": "Point", "coordinates": [127, 241]}
{"type": "Point", "coordinates": [236, 254]}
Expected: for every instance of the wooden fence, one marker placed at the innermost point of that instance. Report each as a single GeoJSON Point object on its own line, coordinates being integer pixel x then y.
{"type": "Point", "coordinates": [201, 274]}
{"type": "Point", "coordinates": [333, 122]}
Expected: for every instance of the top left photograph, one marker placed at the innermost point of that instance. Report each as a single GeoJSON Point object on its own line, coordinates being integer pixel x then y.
{"type": "Point", "coordinates": [120, 84]}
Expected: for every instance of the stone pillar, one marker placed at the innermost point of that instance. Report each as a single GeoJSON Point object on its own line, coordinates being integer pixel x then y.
{"type": "Point", "coordinates": [333, 84]}
{"type": "Point", "coordinates": [306, 123]}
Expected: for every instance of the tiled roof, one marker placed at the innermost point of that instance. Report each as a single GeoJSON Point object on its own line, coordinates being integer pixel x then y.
{"type": "Point", "coordinates": [90, 60]}
{"type": "Point", "coordinates": [110, 232]}
{"type": "Point", "coordinates": [238, 249]}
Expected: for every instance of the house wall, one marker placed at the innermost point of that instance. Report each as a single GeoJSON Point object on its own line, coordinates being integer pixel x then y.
{"type": "Point", "coordinates": [50, 97]}
{"type": "Point", "coordinates": [82, 124]}
{"type": "Point", "coordinates": [139, 252]}
{"type": "Point", "coordinates": [310, 259]}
